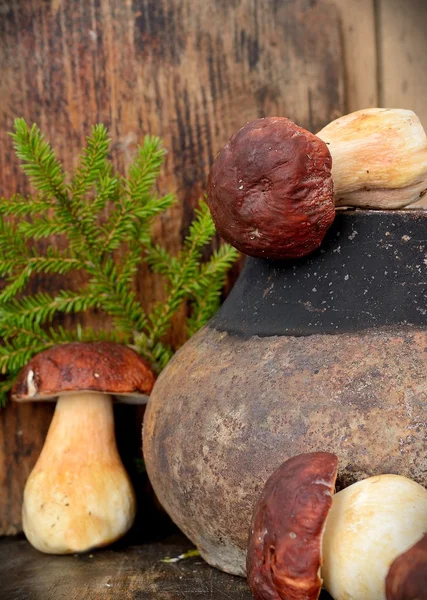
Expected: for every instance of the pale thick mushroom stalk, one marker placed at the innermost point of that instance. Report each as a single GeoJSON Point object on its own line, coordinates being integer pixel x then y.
{"type": "Point", "coordinates": [301, 534]}
{"type": "Point", "coordinates": [379, 158]}
{"type": "Point", "coordinates": [370, 524]}
{"type": "Point", "coordinates": [79, 496]}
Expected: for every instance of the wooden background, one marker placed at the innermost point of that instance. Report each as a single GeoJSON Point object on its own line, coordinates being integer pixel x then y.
{"type": "Point", "coordinates": [191, 71]}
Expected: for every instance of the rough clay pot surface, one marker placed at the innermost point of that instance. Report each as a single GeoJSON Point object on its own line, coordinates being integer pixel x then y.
{"type": "Point", "coordinates": [346, 372]}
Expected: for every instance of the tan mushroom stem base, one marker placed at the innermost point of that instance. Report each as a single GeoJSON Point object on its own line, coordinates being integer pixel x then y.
{"type": "Point", "coordinates": [78, 495]}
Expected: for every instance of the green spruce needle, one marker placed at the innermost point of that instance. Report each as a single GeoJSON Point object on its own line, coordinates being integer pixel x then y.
{"type": "Point", "coordinates": [104, 220]}
{"type": "Point", "coordinates": [184, 556]}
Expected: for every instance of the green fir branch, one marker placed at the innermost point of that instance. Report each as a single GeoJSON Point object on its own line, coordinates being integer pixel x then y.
{"type": "Point", "coordinates": [15, 284]}
{"type": "Point", "coordinates": [159, 259]}
{"type": "Point", "coordinates": [207, 287]}
{"type": "Point", "coordinates": [21, 206]}
{"type": "Point", "coordinates": [43, 227]}
{"type": "Point", "coordinates": [9, 330]}
{"type": "Point", "coordinates": [38, 160]}
{"type": "Point", "coordinates": [145, 169]}
{"type": "Point", "coordinates": [11, 245]}
{"type": "Point", "coordinates": [138, 205]}
{"type": "Point", "coordinates": [42, 308]}
{"type": "Point", "coordinates": [91, 162]}
{"type": "Point", "coordinates": [18, 353]}
{"type": "Point", "coordinates": [129, 266]}
{"type": "Point", "coordinates": [107, 189]}
{"type": "Point", "coordinates": [104, 222]}
{"type": "Point", "coordinates": [183, 270]}
{"type": "Point", "coordinates": [54, 262]}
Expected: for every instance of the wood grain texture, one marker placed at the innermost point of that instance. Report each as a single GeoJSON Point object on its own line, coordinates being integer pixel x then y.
{"type": "Point", "coordinates": [402, 45]}
{"type": "Point", "coordinates": [22, 432]}
{"type": "Point", "coordinates": [119, 573]}
{"type": "Point", "coordinates": [360, 53]}
{"type": "Point", "coordinates": [403, 55]}
{"type": "Point", "coordinates": [190, 71]}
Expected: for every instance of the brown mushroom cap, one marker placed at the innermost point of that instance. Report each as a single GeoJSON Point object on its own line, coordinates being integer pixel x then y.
{"type": "Point", "coordinates": [270, 190]}
{"type": "Point", "coordinates": [285, 544]}
{"type": "Point", "coordinates": [407, 577]}
{"type": "Point", "coordinates": [104, 367]}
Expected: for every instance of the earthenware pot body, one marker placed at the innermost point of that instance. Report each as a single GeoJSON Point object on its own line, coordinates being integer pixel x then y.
{"type": "Point", "coordinates": [325, 353]}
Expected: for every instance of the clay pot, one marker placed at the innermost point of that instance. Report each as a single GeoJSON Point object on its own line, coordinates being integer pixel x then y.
{"type": "Point", "coordinates": [324, 353]}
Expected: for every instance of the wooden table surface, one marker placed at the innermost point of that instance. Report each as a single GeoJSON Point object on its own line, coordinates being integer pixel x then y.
{"type": "Point", "coordinates": [134, 572]}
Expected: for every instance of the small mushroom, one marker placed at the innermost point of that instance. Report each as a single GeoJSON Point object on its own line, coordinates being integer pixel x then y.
{"type": "Point", "coordinates": [285, 544]}
{"type": "Point", "coordinates": [370, 523]}
{"type": "Point", "coordinates": [270, 190]}
{"type": "Point", "coordinates": [79, 496]}
{"type": "Point", "coordinates": [407, 577]}
{"type": "Point", "coordinates": [301, 534]}
{"type": "Point", "coordinates": [379, 158]}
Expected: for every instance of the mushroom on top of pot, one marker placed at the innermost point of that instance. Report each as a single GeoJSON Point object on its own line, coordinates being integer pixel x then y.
{"type": "Point", "coordinates": [79, 496]}
{"type": "Point", "coordinates": [379, 158]}
{"type": "Point", "coordinates": [270, 190]}
{"type": "Point", "coordinates": [273, 187]}
{"type": "Point", "coordinates": [302, 536]}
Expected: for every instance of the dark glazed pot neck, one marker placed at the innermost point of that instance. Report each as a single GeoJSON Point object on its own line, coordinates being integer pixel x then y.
{"type": "Point", "coordinates": [371, 271]}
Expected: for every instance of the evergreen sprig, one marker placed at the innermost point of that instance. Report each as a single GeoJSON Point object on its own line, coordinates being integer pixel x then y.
{"type": "Point", "coordinates": [104, 221]}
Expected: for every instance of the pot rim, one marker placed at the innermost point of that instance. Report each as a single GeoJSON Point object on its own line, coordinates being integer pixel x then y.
{"type": "Point", "coordinates": [376, 211]}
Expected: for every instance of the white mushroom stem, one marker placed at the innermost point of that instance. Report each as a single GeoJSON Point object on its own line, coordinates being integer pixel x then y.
{"type": "Point", "coordinates": [370, 523]}
{"type": "Point", "coordinates": [379, 158]}
{"type": "Point", "coordinates": [78, 495]}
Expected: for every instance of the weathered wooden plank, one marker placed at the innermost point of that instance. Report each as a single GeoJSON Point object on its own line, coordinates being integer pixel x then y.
{"type": "Point", "coordinates": [191, 71]}
{"type": "Point", "coordinates": [22, 432]}
{"type": "Point", "coordinates": [360, 53]}
{"type": "Point", "coordinates": [132, 573]}
{"type": "Point", "coordinates": [403, 52]}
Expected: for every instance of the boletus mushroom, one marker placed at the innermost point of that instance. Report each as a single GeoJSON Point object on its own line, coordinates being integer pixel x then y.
{"type": "Point", "coordinates": [301, 535]}
{"type": "Point", "coordinates": [285, 544]}
{"type": "Point", "coordinates": [270, 190]}
{"type": "Point", "coordinates": [407, 577]}
{"type": "Point", "coordinates": [79, 496]}
{"type": "Point", "coordinates": [370, 523]}
{"type": "Point", "coordinates": [379, 158]}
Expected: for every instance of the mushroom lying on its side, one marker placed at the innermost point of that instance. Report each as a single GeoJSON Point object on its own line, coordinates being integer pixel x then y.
{"type": "Point", "coordinates": [285, 544]}
{"type": "Point", "coordinates": [370, 523]}
{"type": "Point", "coordinates": [300, 534]}
{"type": "Point", "coordinates": [379, 158]}
{"type": "Point", "coordinates": [79, 496]}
